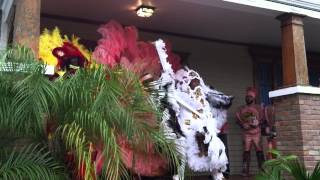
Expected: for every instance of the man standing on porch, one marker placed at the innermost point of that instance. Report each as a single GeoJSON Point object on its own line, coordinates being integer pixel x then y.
{"type": "Point", "coordinates": [250, 117]}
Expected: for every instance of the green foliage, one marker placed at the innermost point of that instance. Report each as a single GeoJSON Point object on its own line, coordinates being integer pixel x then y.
{"type": "Point", "coordinates": [25, 97]}
{"type": "Point", "coordinates": [275, 168]}
{"type": "Point", "coordinates": [90, 109]}
{"type": "Point", "coordinates": [299, 172]}
{"type": "Point", "coordinates": [101, 110]}
{"type": "Point", "coordinates": [26, 94]}
{"type": "Point", "coordinates": [31, 162]}
{"type": "Point", "coordinates": [316, 172]}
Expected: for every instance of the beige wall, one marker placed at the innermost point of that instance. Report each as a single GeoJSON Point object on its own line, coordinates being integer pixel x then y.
{"type": "Point", "coordinates": [227, 67]}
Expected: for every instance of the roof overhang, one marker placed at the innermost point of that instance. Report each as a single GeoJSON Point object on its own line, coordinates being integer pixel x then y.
{"type": "Point", "coordinates": [309, 8]}
{"type": "Point", "coordinates": [237, 22]}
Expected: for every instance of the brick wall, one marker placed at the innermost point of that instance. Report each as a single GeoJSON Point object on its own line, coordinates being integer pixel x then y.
{"type": "Point", "coordinates": [298, 127]}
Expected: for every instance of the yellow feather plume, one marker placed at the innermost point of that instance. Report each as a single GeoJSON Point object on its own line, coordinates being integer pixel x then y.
{"type": "Point", "coordinates": [47, 42]}
{"type": "Point", "coordinates": [50, 40]}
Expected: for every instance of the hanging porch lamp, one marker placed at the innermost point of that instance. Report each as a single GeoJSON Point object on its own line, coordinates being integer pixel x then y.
{"type": "Point", "coordinates": [145, 11]}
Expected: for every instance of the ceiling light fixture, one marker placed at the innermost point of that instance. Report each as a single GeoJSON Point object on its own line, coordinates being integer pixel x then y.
{"type": "Point", "coordinates": [145, 11]}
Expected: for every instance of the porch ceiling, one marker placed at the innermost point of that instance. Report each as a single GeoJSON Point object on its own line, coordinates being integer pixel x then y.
{"type": "Point", "coordinates": [213, 20]}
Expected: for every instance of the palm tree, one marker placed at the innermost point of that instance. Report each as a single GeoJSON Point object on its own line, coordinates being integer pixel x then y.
{"type": "Point", "coordinates": [76, 121]}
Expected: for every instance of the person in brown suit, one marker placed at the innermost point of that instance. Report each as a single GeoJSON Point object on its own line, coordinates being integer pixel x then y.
{"type": "Point", "coordinates": [250, 117]}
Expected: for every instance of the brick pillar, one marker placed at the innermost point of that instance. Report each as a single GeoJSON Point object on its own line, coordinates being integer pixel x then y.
{"type": "Point", "coordinates": [297, 115]}
{"type": "Point", "coordinates": [298, 127]}
{"type": "Point", "coordinates": [27, 24]}
{"type": "Point", "coordinates": [295, 69]}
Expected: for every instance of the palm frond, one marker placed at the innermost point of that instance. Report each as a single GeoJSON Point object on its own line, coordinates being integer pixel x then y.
{"type": "Point", "coordinates": [316, 172]}
{"type": "Point", "coordinates": [297, 170]}
{"type": "Point", "coordinates": [76, 141]}
{"type": "Point", "coordinates": [35, 98]}
{"type": "Point", "coordinates": [7, 124]}
{"type": "Point", "coordinates": [273, 169]}
{"type": "Point", "coordinates": [96, 126]}
{"type": "Point", "coordinates": [26, 95]}
{"type": "Point", "coordinates": [31, 162]}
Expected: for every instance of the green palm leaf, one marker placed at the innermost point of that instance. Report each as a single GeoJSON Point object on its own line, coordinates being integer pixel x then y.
{"type": "Point", "coordinates": [34, 96]}
{"type": "Point", "coordinates": [315, 175]}
{"type": "Point", "coordinates": [297, 170]}
{"type": "Point", "coordinates": [76, 141]}
{"type": "Point", "coordinates": [31, 162]}
{"type": "Point", "coordinates": [273, 169]}
{"type": "Point", "coordinates": [26, 94]}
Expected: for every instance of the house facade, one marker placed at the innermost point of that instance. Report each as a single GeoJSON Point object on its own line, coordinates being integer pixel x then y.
{"type": "Point", "coordinates": [233, 44]}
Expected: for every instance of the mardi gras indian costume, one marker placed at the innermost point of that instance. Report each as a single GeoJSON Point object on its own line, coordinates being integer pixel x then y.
{"type": "Point", "coordinates": [66, 55]}
{"type": "Point", "coordinates": [191, 101]}
{"type": "Point", "coordinates": [121, 46]}
{"type": "Point", "coordinates": [250, 118]}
